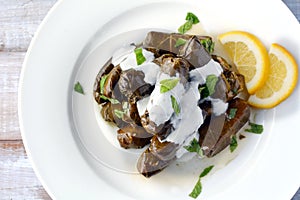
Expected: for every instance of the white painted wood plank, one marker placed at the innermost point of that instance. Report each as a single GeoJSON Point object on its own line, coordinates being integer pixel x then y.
{"type": "Point", "coordinates": [17, 178]}
{"type": "Point", "coordinates": [19, 20]}
{"type": "Point", "coordinates": [10, 68]}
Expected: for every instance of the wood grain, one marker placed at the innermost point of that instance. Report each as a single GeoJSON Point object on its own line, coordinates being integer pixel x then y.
{"type": "Point", "coordinates": [17, 178]}
{"type": "Point", "coordinates": [10, 68]}
{"type": "Point", "coordinates": [19, 19]}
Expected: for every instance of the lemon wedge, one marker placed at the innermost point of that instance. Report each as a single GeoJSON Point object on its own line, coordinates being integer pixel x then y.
{"type": "Point", "coordinates": [249, 55]}
{"type": "Point", "coordinates": [281, 81]}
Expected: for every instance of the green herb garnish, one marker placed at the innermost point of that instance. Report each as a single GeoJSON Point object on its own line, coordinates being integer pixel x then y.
{"type": "Point", "coordinates": [194, 147]}
{"type": "Point", "coordinates": [185, 27]}
{"type": "Point", "coordinates": [211, 81]}
{"type": "Point", "coordinates": [102, 82]}
{"type": "Point", "coordinates": [140, 59]}
{"type": "Point", "coordinates": [209, 87]}
{"type": "Point", "coordinates": [175, 105]}
{"type": "Point", "coordinates": [190, 20]}
{"type": "Point", "coordinates": [208, 44]}
{"type": "Point", "coordinates": [180, 42]}
{"type": "Point", "coordinates": [233, 143]}
{"type": "Point", "coordinates": [198, 186]}
{"type": "Point", "coordinates": [255, 128]}
{"type": "Point", "coordinates": [113, 101]}
{"type": "Point", "coordinates": [168, 84]}
{"type": "Point", "coordinates": [192, 17]}
{"type": "Point", "coordinates": [197, 189]}
{"type": "Point", "coordinates": [119, 113]}
{"type": "Point", "coordinates": [232, 113]}
{"type": "Point", "coordinates": [78, 88]}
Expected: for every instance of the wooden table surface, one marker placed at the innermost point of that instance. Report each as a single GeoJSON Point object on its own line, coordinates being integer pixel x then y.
{"type": "Point", "coordinates": [19, 20]}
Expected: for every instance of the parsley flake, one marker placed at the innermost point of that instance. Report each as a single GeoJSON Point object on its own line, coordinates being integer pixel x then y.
{"type": "Point", "coordinates": [140, 59]}
{"type": "Point", "coordinates": [198, 186]}
{"type": "Point", "coordinates": [175, 105]}
{"type": "Point", "coordinates": [190, 20]}
{"type": "Point", "coordinates": [255, 128]}
{"type": "Point", "coordinates": [194, 147]}
{"type": "Point", "coordinates": [233, 143]}
{"type": "Point", "coordinates": [102, 83]}
{"type": "Point", "coordinates": [232, 113]}
{"type": "Point", "coordinates": [168, 84]}
{"type": "Point", "coordinates": [78, 88]}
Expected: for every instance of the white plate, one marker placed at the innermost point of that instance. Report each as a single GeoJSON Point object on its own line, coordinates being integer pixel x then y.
{"type": "Point", "coordinates": [69, 151]}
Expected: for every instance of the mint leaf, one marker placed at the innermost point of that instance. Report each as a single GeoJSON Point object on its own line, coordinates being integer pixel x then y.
{"type": "Point", "coordinates": [233, 143]}
{"type": "Point", "coordinates": [168, 84]}
{"type": "Point", "coordinates": [196, 190]}
{"type": "Point", "coordinates": [185, 27]}
{"type": "Point", "coordinates": [206, 171]}
{"type": "Point", "coordinates": [232, 113]}
{"type": "Point", "coordinates": [140, 59]}
{"type": "Point", "coordinates": [255, 128]}
{"type": "Point", "coordinates": [78, 88]}
{"type": "Point", "coordinates": [113, 101]}
{"type": "Point", "coordinates": [208, 44]}
{"type": "Point", "coordinates": [175, 105]}
{"type": "Point", "coordinates": [211, 81]}
{"type": "Point", "coordinates": [102, 82]}
{"type": "Point", "coordinates": [180, 42]}
{"type": "Point", "coordinates": [192, 17]}
{"type": "Point", "coordinates": [198, 186]}
{"type": "Point", "coordinates": [194, 147]}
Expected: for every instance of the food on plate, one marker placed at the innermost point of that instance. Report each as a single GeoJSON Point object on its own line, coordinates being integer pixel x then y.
{"type": "Point", "coordinates": [168, 93]}
{"type": "Point", "coordinates": [249, 55]}
{"type": "Point", "coordinates": [281, 81]}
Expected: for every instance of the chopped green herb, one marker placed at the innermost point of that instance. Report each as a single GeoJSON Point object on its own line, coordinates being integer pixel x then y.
{"type": "Point", "coordinates": [232, 113]}
{"type": "Point", "coordinates": [102, 82]}
{"type": "Point", "coordinates": [255, 128]}
{"type": "Point", "coordinates": [208, 44]}
{"type": "Point", "coordinates": [201, 89]}
{"type": "Point", "coordinates": [168, 84]}
{"type": "Point", "coordinates": [233, 143]}
{"type": "Point", "coordinates": [192, 17]}
{"type": "Point", "coordinates": [175, 105]}
{"type": "Point", "coordinates": [113, 101]}
{"type": "Point", "coordinates": [194, 147]}
{"type": "Point", "coordinates": [206, 171]}
{"type": "Point", "coordinates": [198, 186]}
{"type": "Point", "coordinates": [190, 20]}
{"type": "Point", "coordinates": [78, 88]}
{"type": "Point", "coordinates": [211, 81]}
{"type": "Point", "coordinates": [119, 113]}
{"type": "Point", "coordinates": [185, 27]}
{"type": "Point", "coordinates": [140, 59]}
{"type": "Point", "coordinates": [180, 42]}
{"type": "Point", "coordinates": [196, 190]}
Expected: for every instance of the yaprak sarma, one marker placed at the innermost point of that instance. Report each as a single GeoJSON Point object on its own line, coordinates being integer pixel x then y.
{"type": "Point", "coordinates": [120, 92]}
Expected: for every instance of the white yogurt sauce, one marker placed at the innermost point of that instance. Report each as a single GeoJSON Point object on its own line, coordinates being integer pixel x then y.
{"type": "Point", "coordinates": [142, 105]}
{"type": "Point", "coordinates": [160, 106]}
{"type": "Point", "coordinates": [130, 61]}
{"type": "Point", "coordinates": [211, 68]}
{"type": "Point", "coordinates": [218, 106]}
{"type": "Point", "coordinates": [126, 57]}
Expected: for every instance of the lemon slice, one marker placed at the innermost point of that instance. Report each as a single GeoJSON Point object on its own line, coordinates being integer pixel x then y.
{"type": "Point", "coordinates": [249, 55]}
{"type": "Point", "coordinates": [281, 81]}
